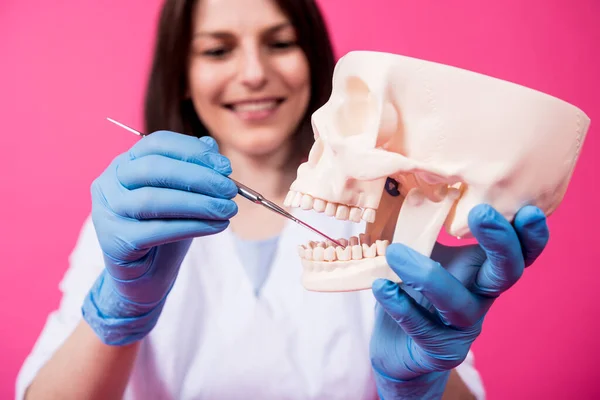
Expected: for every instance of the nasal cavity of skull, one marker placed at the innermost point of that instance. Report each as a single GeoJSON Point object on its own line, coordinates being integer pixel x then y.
{"type": "Point", "coordinates": [316, 152]}
{"type": "Point", "coordinates": [314, 126]}
{"type": "Point", "coordinates": [358, 108]}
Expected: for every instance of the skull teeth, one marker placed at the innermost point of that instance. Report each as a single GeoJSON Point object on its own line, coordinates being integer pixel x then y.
{"type": "Point", "coordinates": [356, 248]}
{"type": "Point", "coordinates": [307, 202]}
{"type": "Point", "coordinates": [342, 212]}
{"type": "Point", "coordinates": [331, 209]}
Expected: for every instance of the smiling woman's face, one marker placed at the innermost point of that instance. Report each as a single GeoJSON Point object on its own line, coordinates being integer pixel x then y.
{"type": "Point", "coordinates": [248, 79]}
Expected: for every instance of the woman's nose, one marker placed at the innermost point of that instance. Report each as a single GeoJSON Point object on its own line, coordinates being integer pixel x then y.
{"type": "Point", "coordinates": [253, 70]}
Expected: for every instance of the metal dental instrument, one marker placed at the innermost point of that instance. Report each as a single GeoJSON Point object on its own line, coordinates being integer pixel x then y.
{"type": "Point", "coordinates": [252, 195]}
{"type": "Point", "coordinates": [258, 198]}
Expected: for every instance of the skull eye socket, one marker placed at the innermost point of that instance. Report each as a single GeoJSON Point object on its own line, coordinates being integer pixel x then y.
{"type": "Point", "coordinates": [358, 108]}
{"type": "Point", "coordinates": [388, 127]}
{"type": "Point", "coordinates": [356, 87]}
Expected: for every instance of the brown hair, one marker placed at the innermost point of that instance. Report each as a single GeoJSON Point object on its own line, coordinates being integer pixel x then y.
{"type": "Point", "coordinates": [166, 106]}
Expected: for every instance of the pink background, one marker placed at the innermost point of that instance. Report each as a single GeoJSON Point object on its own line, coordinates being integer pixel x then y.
{"type": "Point", "coordinates": [65, 67]}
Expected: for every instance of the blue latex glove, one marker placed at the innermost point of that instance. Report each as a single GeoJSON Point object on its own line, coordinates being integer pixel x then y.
{"type": "Point", "coordinates": [426, 326]}
{"type": "Point", "coordinates": [146, 208]}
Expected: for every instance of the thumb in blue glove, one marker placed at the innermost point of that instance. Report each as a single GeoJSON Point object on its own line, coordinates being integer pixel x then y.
{"type": "Point", "coordinates": [147, 206]}
{"type": "Point", "coordinates": [426, 326]}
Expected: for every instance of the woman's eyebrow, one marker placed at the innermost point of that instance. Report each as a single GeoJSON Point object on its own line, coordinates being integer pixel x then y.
{"type": "Point", "coordinates": [277, 27]}
{"type": "Point", "coordinates": [217, 34]}
{"type": "Point", "coordinates": [221, 34]}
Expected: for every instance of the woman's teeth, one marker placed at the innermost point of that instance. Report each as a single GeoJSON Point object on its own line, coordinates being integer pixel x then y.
{"type": "Point", "coordinates": [356, 248]}
{"type": "Point", "coordinates": [339, 211]}
{"type": "Point", "coordinates": [255, 106]}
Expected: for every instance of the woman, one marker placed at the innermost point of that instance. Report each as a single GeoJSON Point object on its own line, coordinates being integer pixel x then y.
{"type": "Point", "coordinates": [191, 292]}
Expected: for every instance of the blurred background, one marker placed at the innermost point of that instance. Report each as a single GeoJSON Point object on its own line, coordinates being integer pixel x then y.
{"type": "Point", "coordinates": [66, 66]}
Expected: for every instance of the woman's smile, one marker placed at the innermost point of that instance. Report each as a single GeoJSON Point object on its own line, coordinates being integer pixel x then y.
{"type": "Point", "coordinates": [259, 109]}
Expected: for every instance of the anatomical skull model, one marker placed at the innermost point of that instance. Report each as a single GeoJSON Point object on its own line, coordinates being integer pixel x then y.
{"type": "Point", "coordinates": [411, 146]}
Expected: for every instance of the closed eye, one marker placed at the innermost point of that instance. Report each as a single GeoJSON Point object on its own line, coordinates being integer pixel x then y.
{"type": "Point", "coordinates": [216, 53]}
{"type": "Point", "coordinates": [283, 44]}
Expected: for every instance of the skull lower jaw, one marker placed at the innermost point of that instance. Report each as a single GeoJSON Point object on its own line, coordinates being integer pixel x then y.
{"type": "Point", "coordinates": [345, 276]}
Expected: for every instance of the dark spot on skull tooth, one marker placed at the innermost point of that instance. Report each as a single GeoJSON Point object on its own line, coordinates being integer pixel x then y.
{"type": "Point", "coordinates": [391, 186]}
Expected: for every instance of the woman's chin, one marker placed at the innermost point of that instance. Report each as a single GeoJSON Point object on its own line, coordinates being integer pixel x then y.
{"type": "Point", "coordinates": [260, 145]}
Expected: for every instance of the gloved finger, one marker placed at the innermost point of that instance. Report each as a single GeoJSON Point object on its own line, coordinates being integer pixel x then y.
{"type": "Point", "coordinates": [152, 233]}
{"type": "Point", "coordinates": [454, 303]}
{"type": "Point", "coordinates": [182, 147]}
{"type": "Point", "coordinates": [504, 265]}
{"type": "Point", "coordinates": [403, 309]}
{"type": "Point", "coordinates": [463, 262]}
{"type": "Point", "coordinates": [532, 230]}
{"type": "Point", "coordinates": [210, 142]}
{"type": "Point", "coordinates": [160, 171]}
{"type": "Point", "coordinates": [158, 203]}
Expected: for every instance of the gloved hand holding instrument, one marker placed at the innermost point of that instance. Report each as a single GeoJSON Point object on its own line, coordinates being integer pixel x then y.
{"type": "Point", "coordinates": [146, 208]}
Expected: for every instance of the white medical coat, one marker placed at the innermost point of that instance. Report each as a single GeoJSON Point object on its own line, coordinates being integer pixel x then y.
{"type": "Point", "coordinates": [216, 339]}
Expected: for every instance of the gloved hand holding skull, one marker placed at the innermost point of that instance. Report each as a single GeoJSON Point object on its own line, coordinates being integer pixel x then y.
{"type": "Point", "coordinates": [426, 325]}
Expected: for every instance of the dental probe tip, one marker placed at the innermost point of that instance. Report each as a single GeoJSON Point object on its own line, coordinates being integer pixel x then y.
{"type": "Point", "coordinates": [336, 242]}
{"type": "Point", "coordinates": [318, 232]}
